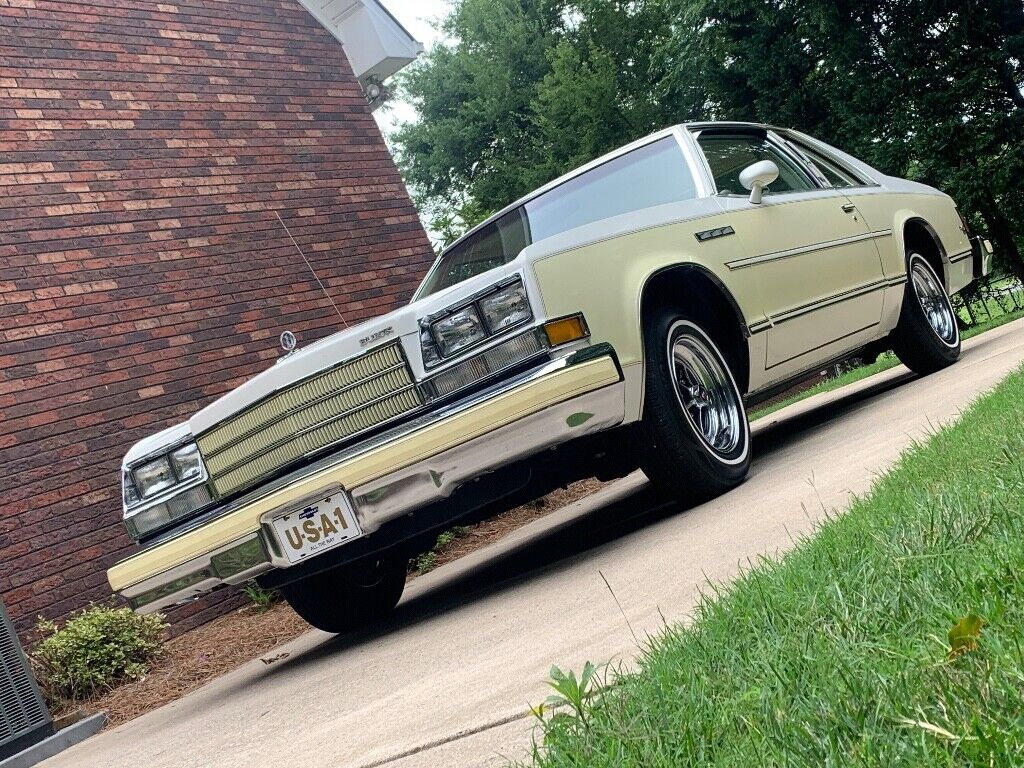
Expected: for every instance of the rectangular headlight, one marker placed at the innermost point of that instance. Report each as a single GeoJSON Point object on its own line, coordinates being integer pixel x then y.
{"type": "Point", "coordinates": [163, 488]}
{"type": "Point", "coordinates": [459, 330]}
{"type": "Point", "coordinates": [153, 477]}
{"type": "Point", "coordinates": [506, 308]}
{"type": "Point", "coordinates": [186, 462]}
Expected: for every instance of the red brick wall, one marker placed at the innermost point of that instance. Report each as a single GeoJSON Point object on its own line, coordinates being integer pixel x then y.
{"type": "Point", "coordinates": [143, 150]}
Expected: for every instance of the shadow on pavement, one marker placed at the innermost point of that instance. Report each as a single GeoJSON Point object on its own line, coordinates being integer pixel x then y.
{"type": "Point", "coordinates": [561, 548]}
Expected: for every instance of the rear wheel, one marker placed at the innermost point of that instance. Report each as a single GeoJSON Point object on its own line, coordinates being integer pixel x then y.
{"type": "Point", "coordinates": [695, 439]}
{"type": "Point", "coordinates": [350, 596]}
{"type": "Point", "coordinates": [927, 337]}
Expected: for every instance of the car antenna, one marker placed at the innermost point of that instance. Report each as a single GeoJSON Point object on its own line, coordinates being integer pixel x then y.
{"type": "Point", "coordinates": [310, 266]}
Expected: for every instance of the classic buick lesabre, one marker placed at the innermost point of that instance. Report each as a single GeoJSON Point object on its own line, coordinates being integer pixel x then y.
{"type": "Point", "coordinates": [624, 315]}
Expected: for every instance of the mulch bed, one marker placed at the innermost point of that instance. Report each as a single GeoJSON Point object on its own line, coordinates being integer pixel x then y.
{"type": "Point", "coordinates": [483, 533]}
{"type": "Point", "coordinates": [195, 658]}
{"type": "Point", "coordinates": [198, 656]}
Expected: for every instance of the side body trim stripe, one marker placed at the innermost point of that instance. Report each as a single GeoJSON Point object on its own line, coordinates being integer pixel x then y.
{"type": "Point", "coordinates": [765, 258]}
{"type": "Point", "coordinates": [804, 309]}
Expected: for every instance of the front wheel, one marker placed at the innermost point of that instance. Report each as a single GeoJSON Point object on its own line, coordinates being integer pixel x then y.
{"type": "Point", "coordinates": [695, 438]}
{"type": "Point", "coordinates": [927, 337]}
{"type": "Point", "coordinates": [350, 596]}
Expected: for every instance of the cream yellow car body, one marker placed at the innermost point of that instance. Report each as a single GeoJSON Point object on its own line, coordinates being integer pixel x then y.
{"type": "Point", "coordinates": [810, 276]}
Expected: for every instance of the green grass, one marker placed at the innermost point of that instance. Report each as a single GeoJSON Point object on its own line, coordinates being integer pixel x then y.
{"type": "Point", "coordinates": [840, 653]}
{"type": "Point", "coordinates": [884, 362]}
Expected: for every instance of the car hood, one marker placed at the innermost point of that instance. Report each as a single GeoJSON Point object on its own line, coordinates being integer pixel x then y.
{"type": "Point", "coordinates": [401, 324]}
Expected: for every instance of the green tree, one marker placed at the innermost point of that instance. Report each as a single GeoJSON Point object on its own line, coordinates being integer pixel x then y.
{"type": "Point", "coordinates": [527, 90]}
{"type": "Point", "coordinates": [920, 88]}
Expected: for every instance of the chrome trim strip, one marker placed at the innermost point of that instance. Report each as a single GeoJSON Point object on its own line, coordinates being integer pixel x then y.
{"type": "Point", "coordinates": [956, 257]}
{"type": "Point", "coordinates": [801, 250]}
{"type": "Point", "coordinates": [760, 325]}
{"type": "Point", "coordinates": [828, 301]}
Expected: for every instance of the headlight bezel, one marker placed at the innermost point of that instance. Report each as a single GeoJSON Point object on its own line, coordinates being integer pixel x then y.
{"type": "Point", "coordinates": [137, 507]}
{"type": "Point", "coordinates": [431, 347]}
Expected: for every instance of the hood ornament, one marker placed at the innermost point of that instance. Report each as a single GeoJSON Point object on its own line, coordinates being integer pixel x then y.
{"type": "Point", "coordinates": [288, 342]}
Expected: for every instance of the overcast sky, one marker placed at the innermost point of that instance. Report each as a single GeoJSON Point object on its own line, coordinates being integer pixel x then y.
{"type": "Point", "coordinates": [416, 16]}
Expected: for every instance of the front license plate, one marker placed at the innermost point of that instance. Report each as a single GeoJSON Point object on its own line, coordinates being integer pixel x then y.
{"type": "Point", "coordinates": [315, 529]}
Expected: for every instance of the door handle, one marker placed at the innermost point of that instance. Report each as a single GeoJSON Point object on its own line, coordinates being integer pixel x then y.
{"type": "Point", "coordinates": [849, 207]}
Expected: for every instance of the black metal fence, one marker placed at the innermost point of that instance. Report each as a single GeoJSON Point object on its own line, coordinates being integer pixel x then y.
{"type": "Point", "coordinates": [989, 299]}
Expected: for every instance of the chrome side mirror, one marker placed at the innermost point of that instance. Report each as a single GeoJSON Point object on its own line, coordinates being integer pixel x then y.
{"type": "Point", "coordinates": [758, 176]}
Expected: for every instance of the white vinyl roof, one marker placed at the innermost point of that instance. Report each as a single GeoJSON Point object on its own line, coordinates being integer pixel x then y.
{"type": "Point", "coordinates": [377, 46]}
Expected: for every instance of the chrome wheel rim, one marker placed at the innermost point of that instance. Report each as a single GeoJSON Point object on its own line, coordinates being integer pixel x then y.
{"type": "Point", "coordinates": [706, 393]}
{"type": "Point", "coordinates": [934, 302]}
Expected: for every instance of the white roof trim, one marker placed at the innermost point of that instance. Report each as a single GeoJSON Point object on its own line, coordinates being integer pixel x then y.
{"type": "Point", "coordinates": [376, 44]}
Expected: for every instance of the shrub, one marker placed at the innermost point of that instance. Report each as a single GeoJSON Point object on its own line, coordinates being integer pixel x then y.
{"type": "Point", "coordinates": [96, 649]}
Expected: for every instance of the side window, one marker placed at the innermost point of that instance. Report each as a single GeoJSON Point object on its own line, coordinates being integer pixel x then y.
{"type": "Point", "coordinates": [830, 170]}
{"type": "Point", "coordinates": [651, 175]}
{"type": "Point", "coordinates": [728, 155]}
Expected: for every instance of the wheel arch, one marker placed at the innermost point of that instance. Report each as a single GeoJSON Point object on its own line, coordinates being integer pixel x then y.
{"type": "Point", "coordinates": [917, 235]}
{"type": "Point", "coordinates": [710, 303]}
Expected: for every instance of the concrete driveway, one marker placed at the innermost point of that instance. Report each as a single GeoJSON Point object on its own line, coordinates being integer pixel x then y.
{"type": "Point", "coordinates": [448, 680]}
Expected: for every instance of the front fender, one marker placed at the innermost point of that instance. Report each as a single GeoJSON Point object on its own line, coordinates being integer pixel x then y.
{"type": "Point", "coordinates": [605, 280]}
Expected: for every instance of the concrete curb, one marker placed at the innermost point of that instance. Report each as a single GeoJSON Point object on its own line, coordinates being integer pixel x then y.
{"type": "Point", "coordinates": [61, 740]}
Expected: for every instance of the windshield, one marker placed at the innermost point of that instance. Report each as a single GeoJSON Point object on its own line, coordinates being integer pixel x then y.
{"type": "Point", "coordinates": [652, 174]}
{"type": "Point", "coordinates": [496, 244]}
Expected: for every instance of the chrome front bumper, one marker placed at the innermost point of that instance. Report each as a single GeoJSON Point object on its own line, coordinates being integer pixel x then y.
{"type": "Point", "coordinates": [397, 493]}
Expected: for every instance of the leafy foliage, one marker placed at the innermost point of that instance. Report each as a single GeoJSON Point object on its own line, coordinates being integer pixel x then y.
{"type": "Point", "coordinates": [571, 698]}
{"type": "Point", "coordinates": [528, 89]}
{"type": "Point", "coordinates": [919, 88]}
{"type": "Point", "coordinates": [427, 561]}
{"type": "Point", "coordinates": [963, 637]}
{"type": "Point", "coordinates": [262, 599]}
{"type": "Point", "coordinates": [96, 649]}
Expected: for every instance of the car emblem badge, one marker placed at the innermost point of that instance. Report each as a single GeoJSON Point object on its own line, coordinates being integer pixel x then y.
{"type": "Point", "coordinates": [307, 513]}
{"type": "Point", "coordinates": [288, 342]}
{"type": "Point", "coordinates": [711, 234]}
{"type": "Point", "coordinates": [383, 333]}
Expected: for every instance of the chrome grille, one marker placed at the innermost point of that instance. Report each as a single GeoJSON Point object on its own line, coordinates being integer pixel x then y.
{"type": "Point", "coordinates": [309, 416]}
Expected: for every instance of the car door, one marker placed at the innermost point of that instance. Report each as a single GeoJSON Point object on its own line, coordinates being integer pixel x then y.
{"type": "Point", "coordinates": [809, 248]}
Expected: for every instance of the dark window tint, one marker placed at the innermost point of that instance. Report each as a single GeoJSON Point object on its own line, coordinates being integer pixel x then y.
{"type": "Point", "coordinates": [729, 155]}
{"type": "Point", "coordinates": [651, 175]}
{"type": "Point", "coordinates": [496, 244]}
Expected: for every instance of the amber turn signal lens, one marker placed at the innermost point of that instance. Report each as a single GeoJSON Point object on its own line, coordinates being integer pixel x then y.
{"type": "Point", "coordinates": [565, 330]}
